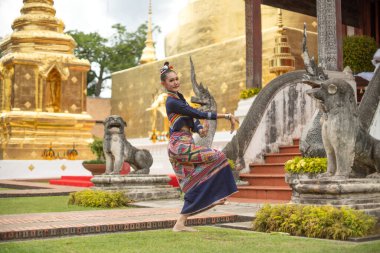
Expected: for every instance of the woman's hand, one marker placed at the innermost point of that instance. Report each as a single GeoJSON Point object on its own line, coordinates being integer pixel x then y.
{"type": "Point", "coordinates": [234, 121]}
{"type": "Point", "coordinates": [204, 131]}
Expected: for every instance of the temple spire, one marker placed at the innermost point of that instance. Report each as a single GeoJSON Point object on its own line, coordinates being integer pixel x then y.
{"type": "Point", "coordinates": [282, 60]}
{"type": "Point", "coordinates": [149, 52]}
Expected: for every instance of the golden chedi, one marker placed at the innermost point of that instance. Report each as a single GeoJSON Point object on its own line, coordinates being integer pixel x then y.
{"type": "Point", "coordinates": [42, 87]}
{"type": "Point", "coordinates": [282, 60]}
{"type": "Point", "coordinates": [212, 32]}
{"type": "Point", "coordinates": [149, 52]}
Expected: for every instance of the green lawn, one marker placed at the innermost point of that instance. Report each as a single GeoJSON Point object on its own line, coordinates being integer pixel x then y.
{"type": "Point", "coordinates": [38, 205]}
{"type": "Point", "coordinates": [5, 189]}
{"type": "Point", "coordinates": [209, 239]}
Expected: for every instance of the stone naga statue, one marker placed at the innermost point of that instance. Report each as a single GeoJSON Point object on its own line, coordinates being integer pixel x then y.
{"type": "Point", "coordinates": [311, 144]}
{"type": "Point", "coordinates": [117, 149]}
{"type": "Point", "coordinates": [208, 104]}
{"type": "Point", "coordinates": [351, 150]}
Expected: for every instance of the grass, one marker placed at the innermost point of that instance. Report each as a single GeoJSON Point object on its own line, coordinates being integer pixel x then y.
{"type": "Point", "coordinates": [5, 189]}
{"type": "Point", "coordinates": [39, 205]}
{"type": "Point", "coordinates": [209, 239]}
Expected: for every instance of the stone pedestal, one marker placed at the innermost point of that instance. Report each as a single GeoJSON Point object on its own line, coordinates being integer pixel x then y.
{"type": "Point", "coordinates": [137, 187]}
{"type": "Point", "coordinates": [362, 194]}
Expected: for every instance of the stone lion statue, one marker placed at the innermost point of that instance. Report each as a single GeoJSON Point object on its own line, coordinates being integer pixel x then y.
{"type": "Point", "coordinates": [117, 149]}
{"type": "Point", "coordinates": [351, 150]}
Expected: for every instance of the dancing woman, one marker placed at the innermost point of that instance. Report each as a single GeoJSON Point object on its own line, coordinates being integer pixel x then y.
{"type": "Point", "coordinates": [204, 174]}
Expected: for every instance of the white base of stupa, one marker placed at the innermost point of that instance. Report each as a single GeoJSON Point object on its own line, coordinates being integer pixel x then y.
{"type": "Point", "coordinates": [41, 169]}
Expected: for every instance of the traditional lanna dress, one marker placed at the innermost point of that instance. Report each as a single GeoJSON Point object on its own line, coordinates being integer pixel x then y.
{"type": "Point", "coordinates": [204, 174]}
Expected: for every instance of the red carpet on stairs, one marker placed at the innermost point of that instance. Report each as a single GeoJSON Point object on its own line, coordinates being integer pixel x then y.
{"type": "Point", "coordinates": [80, 181]}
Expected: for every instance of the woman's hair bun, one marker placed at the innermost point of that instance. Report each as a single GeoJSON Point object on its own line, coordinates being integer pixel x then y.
{"type": "Point", "coordinates": [165, 69]}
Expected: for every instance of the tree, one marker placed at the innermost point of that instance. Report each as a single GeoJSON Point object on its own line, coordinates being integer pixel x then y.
{"type": "Point", "coordinates": [123, 50]}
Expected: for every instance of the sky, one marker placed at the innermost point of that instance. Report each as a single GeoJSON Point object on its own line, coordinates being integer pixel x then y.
{"type": "Point", "coordinates": [100, 15]}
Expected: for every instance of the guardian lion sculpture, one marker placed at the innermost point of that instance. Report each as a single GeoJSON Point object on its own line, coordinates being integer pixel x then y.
{"type": "Point", "coordinates": [117, 149]}
{"type": "Point", "coordinates": [351, 150]}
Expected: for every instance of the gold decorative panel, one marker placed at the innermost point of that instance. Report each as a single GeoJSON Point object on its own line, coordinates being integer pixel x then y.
{"type": "Point", "coordinates": [41, 79]}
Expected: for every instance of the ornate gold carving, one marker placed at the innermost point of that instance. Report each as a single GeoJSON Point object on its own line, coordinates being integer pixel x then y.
{"type": "Point", "coordinates": [31, 167]}
{"type": "Point", "coordinates": [73, 107]}
{"type": "Point", "coordinates": [282, 60]}
{"type": "Point", "coordinates": [33, 154]}
{"type": "Point", "coordinates": [38, 49]}
{"type": "Point", "coordinates": [63, 167]}
{"type": "Point", "coordinates": [120, 105]}
{"type": "Point", "coordinates": [27, 104]}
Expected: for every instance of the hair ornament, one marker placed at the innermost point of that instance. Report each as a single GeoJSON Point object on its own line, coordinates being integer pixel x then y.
{"type": "Point", "coordinates": [166, 67]}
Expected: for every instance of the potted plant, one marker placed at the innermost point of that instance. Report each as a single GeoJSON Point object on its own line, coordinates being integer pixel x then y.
{"type": "Point", "coordinates": [247, 97]}
{"type": "Point", "coordinates": [97, 166]}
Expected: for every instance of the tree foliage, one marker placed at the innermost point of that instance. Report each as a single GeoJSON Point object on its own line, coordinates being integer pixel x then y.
{"type": "Point", "coordinates": [358, 52]}
{"type": "Point", "coordinates": [106, 55]}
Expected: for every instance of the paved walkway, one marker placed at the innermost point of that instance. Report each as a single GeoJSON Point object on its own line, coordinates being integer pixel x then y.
{"type": "Point", "coordinates": [43, 225]}
{"type": "Point", "coordinates": [158, 214]}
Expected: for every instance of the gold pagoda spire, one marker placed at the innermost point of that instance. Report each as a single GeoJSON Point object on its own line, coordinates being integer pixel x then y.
{"type": "Point", "coordinates": [42, 87]}
{"type": "Point", "coordinates": [282, 60]}
{"type": "Point", "coordinates": [149, 52]}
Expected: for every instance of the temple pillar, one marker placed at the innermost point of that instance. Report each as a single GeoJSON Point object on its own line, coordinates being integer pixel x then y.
{"type": "Point", "coordinates": [330, 52]}
{"type": "Point", "coordinates": [253, 43]}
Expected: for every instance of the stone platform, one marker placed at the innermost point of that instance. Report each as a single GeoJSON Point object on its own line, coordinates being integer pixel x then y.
{"type": "Point", "coordinates": [362, 194]}
{"type": "Point", "coordinates": [137, 187]}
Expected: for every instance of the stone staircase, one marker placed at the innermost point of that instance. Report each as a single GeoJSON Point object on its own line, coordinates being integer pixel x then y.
{"type": "Point", "coordinates": [267, 181]}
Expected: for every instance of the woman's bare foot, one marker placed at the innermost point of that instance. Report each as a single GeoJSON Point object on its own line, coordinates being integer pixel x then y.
{"type": "Point", "coordinates": [220, 202]}
{"type": "Point", "coordinates": [178, 228]}
{"type": "Point", "coordinates": [180, 225]}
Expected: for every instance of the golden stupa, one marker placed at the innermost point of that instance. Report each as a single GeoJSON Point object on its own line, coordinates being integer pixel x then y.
{"type": "Point", "coordinates": [212, 32]}
{"type": "Point", "coordinates": [149, 52]}
{"type": "Point", "coordinates": [282, 60]}
{"type": "Point", "coordinates": [42, 87]}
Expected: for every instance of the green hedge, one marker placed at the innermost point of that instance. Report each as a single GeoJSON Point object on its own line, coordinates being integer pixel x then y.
{"type": "Point", "coordinates": [299, 165]}
{"type": "Point", "coordinates": [247, 93]}
{"type": "Point", "coordinates": [358, 52]}
{"type": "Point", "coordinates": [314, 221]}
{"type": "Point", "coordinates": [91, 198]}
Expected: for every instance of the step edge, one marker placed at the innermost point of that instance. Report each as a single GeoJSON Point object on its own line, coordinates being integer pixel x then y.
{"type": "Point", "coordinates": [268, 188]}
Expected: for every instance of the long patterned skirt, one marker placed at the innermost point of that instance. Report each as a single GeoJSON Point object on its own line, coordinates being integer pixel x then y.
{"type": "Point", "coordinates": [204, 174]}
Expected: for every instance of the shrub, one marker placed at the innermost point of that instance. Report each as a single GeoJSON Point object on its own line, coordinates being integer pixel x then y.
{"type": "Point", "coordinates": [232, 164]}
{"type": "Point", "coordinates": [314, 221]}
{"type": "Point", "coordinates": [247, 93]}
{"type": "Point", "coordinates": [91, 198]}
{"type": "Point", "coordinates": [97, 148]}
{"type": "Point", "coordinates": [299, 165]}
{"type": "Point", "coordinates": [358, 52]}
